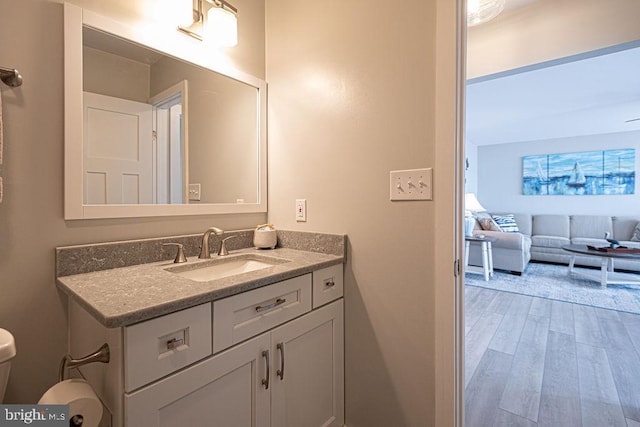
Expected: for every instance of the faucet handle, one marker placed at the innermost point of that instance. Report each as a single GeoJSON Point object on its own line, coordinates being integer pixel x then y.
{"type": "Point", "coordinates": [223, 246]}
{"type": "Point", "coordinates": [180, 255]}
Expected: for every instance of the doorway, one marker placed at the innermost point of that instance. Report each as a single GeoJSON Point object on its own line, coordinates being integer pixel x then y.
{"type": "Point", "coordinates": [524, 365]}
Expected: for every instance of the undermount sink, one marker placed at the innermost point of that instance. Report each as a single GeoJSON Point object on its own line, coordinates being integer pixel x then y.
{"type": "Point", "coordinates": [225, 267]}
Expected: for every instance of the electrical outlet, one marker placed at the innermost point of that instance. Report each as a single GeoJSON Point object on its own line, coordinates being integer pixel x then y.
{"type": "Point", "coordinates": [194, 192]}
{"type": "Point", "coordinates": [301, 210]}
{"type": "Point", "coordinates": [411, 184]}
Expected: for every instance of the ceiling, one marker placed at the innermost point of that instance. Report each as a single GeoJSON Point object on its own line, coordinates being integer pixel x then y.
{"type": "Point", "coordinates": [591, 96]}
{"type": "Point", "coordinates": [593, 93]}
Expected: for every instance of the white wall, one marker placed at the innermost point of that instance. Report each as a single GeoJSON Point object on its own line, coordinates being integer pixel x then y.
{"type": "Point", "coordinates": [500, 177]}
{"type": "Point", "coordinates": [549, 29]}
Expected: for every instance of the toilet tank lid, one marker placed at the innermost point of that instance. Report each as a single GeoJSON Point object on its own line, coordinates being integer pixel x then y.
{"type": "Point", "coordinates": [7, 345]}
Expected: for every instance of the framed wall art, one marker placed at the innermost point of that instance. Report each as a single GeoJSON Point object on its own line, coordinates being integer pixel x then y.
{"type": "Point", "coordinates": [607, 172]}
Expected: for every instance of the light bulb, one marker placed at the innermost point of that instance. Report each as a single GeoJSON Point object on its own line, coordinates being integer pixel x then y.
{"type": "Point", "coordinates": [222, 27]}
{"type": "Point", "coordinates": [480, 11]}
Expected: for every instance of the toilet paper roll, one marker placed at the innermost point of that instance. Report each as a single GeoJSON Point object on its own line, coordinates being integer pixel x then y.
{"type": "Point", "coordinates": [80, 397]}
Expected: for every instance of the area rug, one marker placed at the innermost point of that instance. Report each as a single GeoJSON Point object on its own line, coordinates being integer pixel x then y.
{"type": "Point", "coordinates": [552, 282]}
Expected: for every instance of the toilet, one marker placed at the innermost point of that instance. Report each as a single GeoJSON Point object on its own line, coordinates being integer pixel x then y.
{"type": "Point", "coordinates": [7, 352]}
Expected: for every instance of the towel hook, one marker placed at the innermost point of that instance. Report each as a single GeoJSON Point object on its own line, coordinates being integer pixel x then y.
{"type": "Point", "coordinates": [10, 77]}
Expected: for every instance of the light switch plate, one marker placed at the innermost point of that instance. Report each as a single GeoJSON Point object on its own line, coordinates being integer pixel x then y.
{"type": "Point", "coordinates": [194, 192]}
{"type": "Point", "coordinates": [411, 184]}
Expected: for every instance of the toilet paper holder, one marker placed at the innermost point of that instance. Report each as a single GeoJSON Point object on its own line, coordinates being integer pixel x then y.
{"type": "Point", "coordinates": [101, 355]}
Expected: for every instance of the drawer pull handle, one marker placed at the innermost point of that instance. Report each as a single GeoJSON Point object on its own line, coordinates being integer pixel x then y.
{"type": "Point", "coordinates": [265, 381]}
{"type": "Point", "coordinates": [278, 302]}
{"type": "Point", "coordinates": [174, 343]}
{"type": "Point", "coordinates": [330, 284]}
{"type": "Point", "coordinates": [280, 372]}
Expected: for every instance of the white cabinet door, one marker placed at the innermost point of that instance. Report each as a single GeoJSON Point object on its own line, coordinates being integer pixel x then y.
{"type": "Point", "coordinates": [308, 370]}
{"type": "Point", "coordinates": [223, 391]}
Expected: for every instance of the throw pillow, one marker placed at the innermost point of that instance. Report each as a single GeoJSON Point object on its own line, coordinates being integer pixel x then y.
{"type": "Point", "coordinates": [507, 223]}
{"type": "Point", "coordinates": [486, 222]}
{"type": "Point", "coordinates": [636, 234]}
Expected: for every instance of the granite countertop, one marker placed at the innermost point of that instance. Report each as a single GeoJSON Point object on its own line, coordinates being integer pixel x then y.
{"type": "Point", "coordinates": [127, 295]}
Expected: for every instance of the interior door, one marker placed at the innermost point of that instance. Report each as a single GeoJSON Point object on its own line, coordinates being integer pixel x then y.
{"type": "Point", "coordinates": [117, 151]}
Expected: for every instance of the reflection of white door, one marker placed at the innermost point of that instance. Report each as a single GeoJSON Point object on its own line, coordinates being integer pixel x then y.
{"type": "Point", "coordinates": [118, 151]}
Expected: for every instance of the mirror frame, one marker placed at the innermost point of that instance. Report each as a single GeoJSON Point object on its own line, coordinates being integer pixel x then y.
{"type": "Point", "coordinates": [173, 45]}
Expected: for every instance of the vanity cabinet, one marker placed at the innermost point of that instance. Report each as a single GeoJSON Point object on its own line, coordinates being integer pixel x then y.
{"type": "Point", "coordinates": [292, 376]}
{"type": "Point", "coordinates": [272, 356]}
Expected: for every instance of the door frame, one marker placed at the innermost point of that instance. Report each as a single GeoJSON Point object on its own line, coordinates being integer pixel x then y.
{"type": "Point", "coordinates": [179, 90]}
{"type": "Point", "coordinates": [450, 60]}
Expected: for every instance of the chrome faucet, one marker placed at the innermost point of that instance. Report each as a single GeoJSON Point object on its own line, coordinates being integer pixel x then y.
{"type": "Point", "coordinates": [204, 249]}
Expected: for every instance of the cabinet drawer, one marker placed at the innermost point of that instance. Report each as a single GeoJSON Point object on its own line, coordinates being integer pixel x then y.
{"type": "Point", "coordinates": [242, 316]}
{"type": "Point", "coordinates": [163, 345]}
{"type": "Point", "coordinates": [328, 285]}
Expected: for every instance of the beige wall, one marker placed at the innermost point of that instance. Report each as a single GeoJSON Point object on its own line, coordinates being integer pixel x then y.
{"type": "Point", "coordinates": [31, 215]}
{"type": "Point", "coordinates": [351, 97]}
{"type": "Point", "coordinates": [114, 75]}
{"type": "Point", "coordinates": [550, 29]}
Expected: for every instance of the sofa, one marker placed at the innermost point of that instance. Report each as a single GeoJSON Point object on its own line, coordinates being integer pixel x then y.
{"type": "Point", "coordinates": [541, 237]}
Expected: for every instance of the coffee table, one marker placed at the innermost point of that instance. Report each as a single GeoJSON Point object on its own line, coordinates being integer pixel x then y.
{"type": "Point", "coordinates": [607, 275]}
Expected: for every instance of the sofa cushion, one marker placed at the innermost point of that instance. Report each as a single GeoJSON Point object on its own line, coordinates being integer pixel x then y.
{"type": "Point", "coordinates": [636, 234]}
{"type": "Point", "coordinates": [524, 223]}
{"type": "Point", "coordinates": [624, 227]}
{"type": "Point", "coordinates": [549, 241]}
{"type": "Point", "coordinates": [506, 222]}
{"type": "Point", "coordinates": [522, 220]}
{"type": "Point", "coordinates": [551, 225]}
{"type": "Point", "coordinates": [589, 241]}
{"type": "Point", "coordinates": [486, 222]}
{"type": "Point", "coordinates": [593, 226]}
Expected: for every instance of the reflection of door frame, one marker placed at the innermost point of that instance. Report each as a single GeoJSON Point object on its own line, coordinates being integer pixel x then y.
{"type": "Point", "coordinates": [167, 97]}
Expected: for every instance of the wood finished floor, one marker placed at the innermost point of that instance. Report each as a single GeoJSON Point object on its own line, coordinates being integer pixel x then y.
{"type": "Point", "coordinates": [537, 362]}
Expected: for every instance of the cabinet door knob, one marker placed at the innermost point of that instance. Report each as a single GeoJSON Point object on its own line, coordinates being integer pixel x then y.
{"type": "Point", "coordinates": [280, 372]}
{"type": "Point", "coordinates": [265, 381]}
{"type": "Point", "coordinates": [330, 284]}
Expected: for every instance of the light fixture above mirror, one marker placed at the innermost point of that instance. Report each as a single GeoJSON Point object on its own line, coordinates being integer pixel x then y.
{"type": "Point", "coordinates": [215, 20]}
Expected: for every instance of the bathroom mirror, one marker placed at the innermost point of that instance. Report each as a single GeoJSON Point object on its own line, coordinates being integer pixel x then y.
{"type": "Point", "coordinates": [154, 126]}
